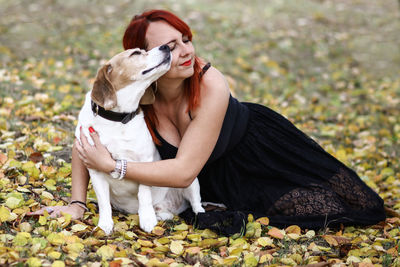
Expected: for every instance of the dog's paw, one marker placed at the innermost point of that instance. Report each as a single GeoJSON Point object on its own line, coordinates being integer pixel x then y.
{"type": "Point", "coordinates": [107, 227]}
{"type": "Point", "coordinates": [197, 208]}
{"type": "Point", "coordinates": [147, 221]}
{"type": "Point", "coordinates": [164, 215]}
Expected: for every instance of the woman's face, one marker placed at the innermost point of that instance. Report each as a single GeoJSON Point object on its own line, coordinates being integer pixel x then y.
{"type": "Point", "coordinates": [182, 50]}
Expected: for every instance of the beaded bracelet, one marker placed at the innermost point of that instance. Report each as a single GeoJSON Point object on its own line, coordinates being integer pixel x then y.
{"type": "Point", "coordinates": [123, 169]}
{"type": "Point", "coordinates": [80, 204]}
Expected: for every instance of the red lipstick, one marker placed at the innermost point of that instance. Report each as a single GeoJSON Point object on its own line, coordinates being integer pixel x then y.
{"type": "Point", "coordinates": [187, 63]}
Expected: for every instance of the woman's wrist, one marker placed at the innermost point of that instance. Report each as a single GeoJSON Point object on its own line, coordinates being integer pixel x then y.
{"type": "Point", "coordinates": [110, 166]}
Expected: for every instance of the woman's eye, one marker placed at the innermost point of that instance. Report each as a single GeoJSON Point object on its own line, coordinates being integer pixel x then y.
{"type": "Point", "coordinates": [186, 41]}
{"type": "Point", "coordinates": [171, 46]}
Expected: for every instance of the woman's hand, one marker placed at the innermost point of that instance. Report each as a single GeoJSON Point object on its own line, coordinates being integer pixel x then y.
{"type": "Point", "coordinates": [97, 156]}
{"type": "Point", "coordinates": [75, 210]}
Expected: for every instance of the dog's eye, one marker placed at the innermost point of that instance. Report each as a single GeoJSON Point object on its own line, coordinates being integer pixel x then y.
{"type": "Point", "coordinates": [137, 52]}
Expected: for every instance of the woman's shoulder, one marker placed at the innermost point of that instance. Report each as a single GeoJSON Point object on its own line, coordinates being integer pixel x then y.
{"type": "Point", "coordinates": [213, 78]}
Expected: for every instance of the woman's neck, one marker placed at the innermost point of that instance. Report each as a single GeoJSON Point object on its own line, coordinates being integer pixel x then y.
{"type": "Point", "coordinates": [170, 91]}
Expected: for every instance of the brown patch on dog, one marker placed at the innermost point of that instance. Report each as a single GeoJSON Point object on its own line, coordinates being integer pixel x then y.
{"type": "Point", "coordinates": [103, 93]}
{"type": "Point", "coordinates": [119, 72]}
{"type": "Point", "coordinates": [125, 69]}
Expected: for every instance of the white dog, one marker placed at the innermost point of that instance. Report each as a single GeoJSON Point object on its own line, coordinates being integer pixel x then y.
{"type": "Point", "coordinates": [112, 109]}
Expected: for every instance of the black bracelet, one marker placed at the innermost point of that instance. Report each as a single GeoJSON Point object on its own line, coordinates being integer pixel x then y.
{"type": "Point", "coordinates": [82, 204]}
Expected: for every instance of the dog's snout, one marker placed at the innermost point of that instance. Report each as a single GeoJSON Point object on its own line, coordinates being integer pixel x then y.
{"type": "Point", "coordinates": [164, 48]}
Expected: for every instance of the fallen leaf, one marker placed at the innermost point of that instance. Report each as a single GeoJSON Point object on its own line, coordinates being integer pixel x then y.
{"type": "Point", "coordinates": [275, 233]}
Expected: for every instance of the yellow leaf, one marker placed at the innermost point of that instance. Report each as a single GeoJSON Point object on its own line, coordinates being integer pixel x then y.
{"type": "Point", "coordinates": [265, 241]}
{"type": "Point", "coordinates": [47, 195]}
{"type": "Point", "coordinates": [31, 169]}
{"type": "Point", "coordinates": [78, 227]}
{"type": "Point", "coordinates": [310, 234]}
{"type": "Point", "coordinates": [75, 247]}
{"type": "Point", "coordinates": [236, 251]}
{"type": "Point", "coordinates": [209, 242]}
{"type": "Point", "coordinates": [145, 243]}
{"type": "Point", "coordinates": [352, 259]}
{"type": "Point", "coordinates": [56, 239]}
{"type": "Point", "coordinates": [229, 261]}
{"type": "Point", "coordinates": [293, 236]}
{"type": "Point", "coordinates": [163, 240]}
{"type": "Point", "coordinates": [54, 255]}
{"type": "Point", "coordinates": [50, 184]}
{"type": "Point", "coordinates": [65, 220]}
{"type": "Point", "coordinates": [330, 240]}
{"type": "Point", "coordinates": [288, 261]}
{"type": "Point", "coordinates": [266, 257]}
{"type": "Point", "coordinates": [387, 172]}
{"type": "Point", "coordinates": [208, 234]}
{"type": "Point", "coordinates": [293, 229]}
{"type": "Point", "coordinates": [129, 235]}
{"type": "Point", "coordinates": [250, 218]}
{"type": "Point", "coordinates": [162, 249]}
{"type": "Point", "coordinates": [13, 202]}
{"type": "Point", "coordinates": [181, 227]}
{"type": "Point", "coordinates": [34, 262]}
{"type": "Point", "coordinates": [25, 227]}
{"type": "Point", "coordinates": [105, 252]}
{"type": "Point", "coordinates": [180, 235]}
{"type": "Point", "coordinates": [58, 264]}
{"type": "Point", "coordinates": [250, 260]}
{"type": "Point", "coordinates": [194, 237]}
{"type": "Point", "coordinates": [21, 239]}
{"type": "Point", "coordinates": [176, 247]}
{"type": "Point", "coordinates": [42, 220]}
{"type": "Point", "coordinates": [4, 214]}
{"type": "Point", "coordinates": [158, 230]}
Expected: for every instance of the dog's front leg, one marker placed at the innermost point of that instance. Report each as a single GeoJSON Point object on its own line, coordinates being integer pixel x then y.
{"type": "Point", "coordinates": [192, 194]}
{"type": "Point", "coordinates": [147, 215]}
{"type": "Point", "coordinates": [102, 189]}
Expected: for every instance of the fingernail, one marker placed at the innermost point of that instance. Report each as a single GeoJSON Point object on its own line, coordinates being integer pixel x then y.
{"type": "Point", "coordinates": [91, 130]}
{"type": "Point", "coordinates": [80, 127]}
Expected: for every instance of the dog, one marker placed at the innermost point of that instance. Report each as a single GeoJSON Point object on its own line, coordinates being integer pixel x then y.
{"type": "Point", "coordinates": [120, 86]}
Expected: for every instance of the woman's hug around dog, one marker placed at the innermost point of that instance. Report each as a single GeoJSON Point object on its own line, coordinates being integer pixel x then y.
{"type": "Point", "coordinates": [112, 108]}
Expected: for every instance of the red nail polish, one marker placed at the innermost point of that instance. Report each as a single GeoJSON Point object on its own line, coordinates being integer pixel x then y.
{"type": "Point", "coordinates": [81, 127]}
{"type": "Point", "coordinates": [91, 130]}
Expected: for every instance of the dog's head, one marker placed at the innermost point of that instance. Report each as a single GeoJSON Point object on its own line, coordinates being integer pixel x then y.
{"type": "Point", "coordinates": [131, 67]}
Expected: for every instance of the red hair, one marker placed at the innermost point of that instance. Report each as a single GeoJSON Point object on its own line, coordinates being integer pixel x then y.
{"type": "Point", "coordinates": [135, 36]}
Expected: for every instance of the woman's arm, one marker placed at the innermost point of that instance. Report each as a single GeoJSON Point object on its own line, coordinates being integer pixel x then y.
{"type": "Point", "coordinates": [80, 177]}
{"type": "Point", "coordinates": [194, 150]}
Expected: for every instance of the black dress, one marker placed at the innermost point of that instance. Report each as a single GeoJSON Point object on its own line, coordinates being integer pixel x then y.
{"type": "Point", "coordinates": [263, 165]}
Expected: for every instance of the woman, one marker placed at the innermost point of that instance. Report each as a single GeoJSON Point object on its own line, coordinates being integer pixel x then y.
{"type": "Point", "coordinates": [245, 155]}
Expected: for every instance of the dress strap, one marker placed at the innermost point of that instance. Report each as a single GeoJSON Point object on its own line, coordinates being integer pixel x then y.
{"type": "Point", "coordinates": [205, 68]}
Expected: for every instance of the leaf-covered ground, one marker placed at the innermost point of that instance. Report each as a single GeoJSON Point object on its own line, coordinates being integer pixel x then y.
{"type": "Point", "coordinates": [331, 67]}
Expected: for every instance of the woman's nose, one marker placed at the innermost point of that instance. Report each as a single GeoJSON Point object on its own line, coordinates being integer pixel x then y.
{"type": "Point", "coordinates": [185, 50]}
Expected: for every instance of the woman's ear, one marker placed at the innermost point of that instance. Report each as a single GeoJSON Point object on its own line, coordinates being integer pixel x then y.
{"type": "Point", "coordinates": [103, 92]}
{"type": "Point", "coordinates": [148, 97]}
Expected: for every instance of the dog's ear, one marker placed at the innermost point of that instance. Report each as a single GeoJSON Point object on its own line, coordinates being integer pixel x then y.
{"type": "Point", "coordinates": [103, 93]}
{"type": "Point", "coordinates": [148, 98]}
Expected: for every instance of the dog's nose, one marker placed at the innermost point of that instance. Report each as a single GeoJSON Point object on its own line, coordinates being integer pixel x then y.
{"type": "Point", "coordinates": [164, 48]}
